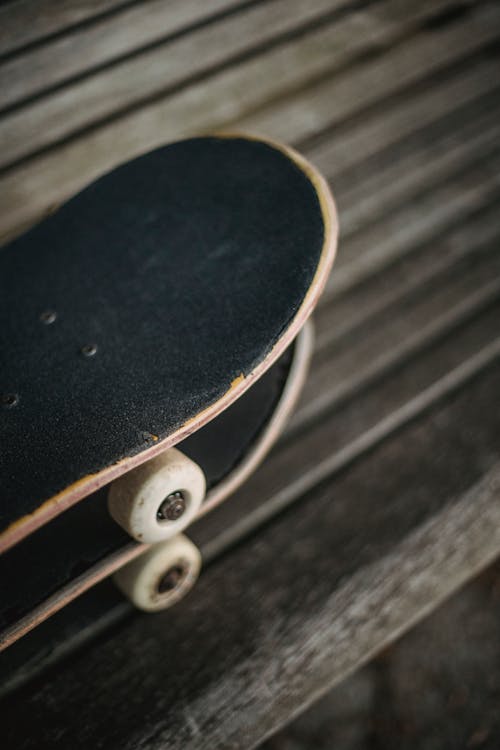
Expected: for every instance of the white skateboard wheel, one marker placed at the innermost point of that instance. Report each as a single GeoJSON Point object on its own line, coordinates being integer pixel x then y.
{"type": "Point", "coordinates": [162, 575]}
{"type": "Point", "coordinates": [158, 499]}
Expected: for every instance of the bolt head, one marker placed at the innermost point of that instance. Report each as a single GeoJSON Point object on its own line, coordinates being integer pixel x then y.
{"type": "Point", "coordinates": [172, 508]}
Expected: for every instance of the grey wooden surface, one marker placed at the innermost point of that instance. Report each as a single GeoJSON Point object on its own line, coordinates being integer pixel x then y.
{"type": "Point", "coordinates": [433, 688]}
{"type": "Point", "coordinates": [383, 495]}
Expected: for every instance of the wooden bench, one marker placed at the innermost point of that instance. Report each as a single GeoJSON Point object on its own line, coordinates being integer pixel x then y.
{"type": "Point", "coordinates": [382, 498]}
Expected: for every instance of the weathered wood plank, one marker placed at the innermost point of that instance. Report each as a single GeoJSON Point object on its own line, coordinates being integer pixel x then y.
{"type": "Point", "coordinates": [26, 191]}
{"type": "Point", "coordinates": [418, 305]}
{"type": "Point", "coordinates": [358, 141]}
{"type": "Point", "coordinates": [379, 188]}
{"type": "Point", "coordinates": [406, 277]}
{"type": "Point", "coordinates": [416, 162]}
{"type": "Point", "coordinates": [326, 103]}
{"type": "Point", "coordinates": [279, 621]}
{"type": "Point", "coordinates": [374, 411]}
{"type": "Point", "coordinates": [170, 60]}
{"type": "Point", "coordinates": [25, 23]}
{"type": "Point", "coordinates": [375, 353]}
{"type": "Point", "coordinates": [158, 72]}
{"type": "Point", "coordinates": [414, 225]}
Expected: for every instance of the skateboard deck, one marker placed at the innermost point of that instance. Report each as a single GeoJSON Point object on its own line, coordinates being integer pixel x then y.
{"type": "Point", "coordinates": [77, 550]}
{"type": "Point", "coordinates": [146, 306]}
{"type": "Point", "coordinates": [134, 319]}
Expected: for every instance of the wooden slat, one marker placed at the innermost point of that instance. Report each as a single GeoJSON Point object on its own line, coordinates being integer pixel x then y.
{"type": "Point", "coordinates": [170, 60]}
{"type": "Point", "coordinates": [407, 276]}
{"type": "Point", "coordinates": [301, 115]}
{"type": "Point", "coordinates": [151, 73]}
{"type": "Point", "coordinates": [368, 414]}
{"type": "Point", "coordinates": [358, 141]}
{"type": "Point", "coordinates": [413, 226]}
{"type": "Point", "coordinates": [89, 33]}
{"type": "Point", "coordinates": [380, 189]}
{"type": "Point", "coordinates": [339, 376]}
{"type": "Point", "coordinates": [49, 178]}
{"type": "Point", "coordinates": [323, 590]}
{"type": "Point", "coordinates": [435, 154]}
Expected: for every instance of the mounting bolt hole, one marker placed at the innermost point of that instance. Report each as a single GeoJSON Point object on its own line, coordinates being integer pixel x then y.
{"type": "Point", "coordinates": [9, 400]}
{"type": "Point", "coordinates": [89, 350]}
{"type": "Point", "coordinates": [48, 317]}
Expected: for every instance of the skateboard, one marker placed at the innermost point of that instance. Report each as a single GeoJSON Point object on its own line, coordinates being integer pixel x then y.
{"type": "Point", "coordinates": [160, 307]}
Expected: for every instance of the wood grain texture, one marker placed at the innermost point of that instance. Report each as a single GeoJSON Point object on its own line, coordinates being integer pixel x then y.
{"type": "Point", "coordinates": [84, 30]}
{"type": "Point", "coordinates": [154, 72]}
{"type": "Point", "coordinates": [212, 103]}
{"type": "Point", "coordinates": [170, 29]}
{"type": "Point", "coordinates": [228, 665]}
